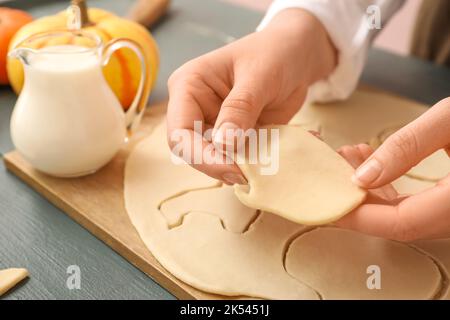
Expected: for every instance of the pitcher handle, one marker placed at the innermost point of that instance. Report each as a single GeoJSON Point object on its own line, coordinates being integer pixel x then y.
{"type": "Point", "coordinates": [134, 114]}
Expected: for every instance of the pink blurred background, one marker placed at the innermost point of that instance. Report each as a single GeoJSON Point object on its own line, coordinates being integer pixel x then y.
{"type": "Point", "coordinates": [396, 36]}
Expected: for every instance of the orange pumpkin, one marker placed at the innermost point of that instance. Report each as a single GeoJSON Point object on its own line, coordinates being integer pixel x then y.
{"type": "Point", "coordinates": [123, 70]}
{"type": "Point", "coordinates": [10, 21]}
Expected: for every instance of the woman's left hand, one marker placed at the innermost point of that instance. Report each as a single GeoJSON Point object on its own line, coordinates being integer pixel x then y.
{"type": "Point", "coordinates": [385, 213]}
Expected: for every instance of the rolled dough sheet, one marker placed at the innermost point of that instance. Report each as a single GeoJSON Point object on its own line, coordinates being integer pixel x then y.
{"type": "Point", "coordinates": [406, 185]}
{"type": "Point", "coordinates": [191, 224]}
{"type": "Point", "coordinates": [440, 251]}
{"type": "Point", "coordinates": [9, 278]}
{"type": "Point", "coordinates": [200, 251]}
{"type": "Point", "coordinates": [433, 168]}
{"type": "Point", "coordinates": [360, 118]}
{"type": "Point", "coordinates": [335, 263]}
{"type": "Point", "coordinates": [312, 185]}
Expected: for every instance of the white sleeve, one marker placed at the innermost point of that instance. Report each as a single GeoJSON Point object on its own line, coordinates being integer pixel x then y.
{"type": "Point", "coordinates": [347, 24]}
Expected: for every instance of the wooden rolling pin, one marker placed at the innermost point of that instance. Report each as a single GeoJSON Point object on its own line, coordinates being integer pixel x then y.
{"type": "Point", "coordinates": [148, 12]}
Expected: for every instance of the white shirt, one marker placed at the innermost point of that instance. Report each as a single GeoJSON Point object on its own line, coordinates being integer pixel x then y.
{"type": "Point", "coordinates": [347, 24]}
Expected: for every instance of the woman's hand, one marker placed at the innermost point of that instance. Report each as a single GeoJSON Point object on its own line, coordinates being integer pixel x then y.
{"type": "Point", "coordinates": [385, 213]}
{"type": "Point", "coordinates": [260, 79]}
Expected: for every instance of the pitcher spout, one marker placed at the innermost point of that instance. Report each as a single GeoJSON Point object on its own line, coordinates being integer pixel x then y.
{"type": "Point", "coordinates": [23, 54]}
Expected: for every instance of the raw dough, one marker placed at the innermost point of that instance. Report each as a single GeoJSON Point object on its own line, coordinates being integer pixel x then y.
{"type": "Point", "coordinates": [200, 251]}
{"type": "Point", "coordinates": [312, 186]}
{"type": "Point", "coordinates": [433, 168]}
{"type": "Point", "coordinates": [203, 242]}
{"type": "Point", "coordinates": [409, 186]}
{"type": "Point", "coordinates": [335, 263]}
{"type": "Point", "coordinates": [359, 119]}
{"type": "Point", "coordinates": [204, 236]}
{"type": "Point", "coordinates": [10, 278]}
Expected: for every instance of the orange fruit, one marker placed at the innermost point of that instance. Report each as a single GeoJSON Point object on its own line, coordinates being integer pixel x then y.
{"type": "Point", "coordinates": [11, 20]}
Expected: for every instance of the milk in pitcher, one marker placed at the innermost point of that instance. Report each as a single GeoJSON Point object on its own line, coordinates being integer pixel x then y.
{"type": "Point", "coordinates": [67, 121]}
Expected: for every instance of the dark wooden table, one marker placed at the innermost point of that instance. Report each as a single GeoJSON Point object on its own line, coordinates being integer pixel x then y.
{"type": "Point", "coordinates": [36, 235]}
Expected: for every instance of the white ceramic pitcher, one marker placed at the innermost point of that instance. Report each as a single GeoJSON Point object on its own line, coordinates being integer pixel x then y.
{"type": "Point", "coordinates": [67, 122]}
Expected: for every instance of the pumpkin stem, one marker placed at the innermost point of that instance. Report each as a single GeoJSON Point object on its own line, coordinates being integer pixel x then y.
{"type": "Point", "coordinates": [81, 4]}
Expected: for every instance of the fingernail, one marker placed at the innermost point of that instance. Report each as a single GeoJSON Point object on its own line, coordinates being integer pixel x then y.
{"type": "Point", "coordinates": [233, 178]}
{"type": "Point", "coordinates": [367, 173]}
{"type": "Point", "coordinates": [220, 135]}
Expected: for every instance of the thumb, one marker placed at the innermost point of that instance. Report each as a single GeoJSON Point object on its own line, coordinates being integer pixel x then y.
{"type": "Point", "coordinates": [240, 110]}
{"type": "Point", "coordinates": [407, 147]}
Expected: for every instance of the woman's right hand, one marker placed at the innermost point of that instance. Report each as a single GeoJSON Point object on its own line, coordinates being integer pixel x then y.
{"type": "Point", "coordinates": [260, 79]}
{"type": "Point", "coordinates": [385, 213]}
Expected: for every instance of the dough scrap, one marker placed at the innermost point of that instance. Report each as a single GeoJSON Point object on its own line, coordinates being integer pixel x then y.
{"type": "Point", "coordinates": [200, 251]}
{"type": "Point", "coordinates": [335, 263]}
{"type": "Point", "coordinates": [9, 278]}
{"type": "Point", "coordinates": [312, 185]}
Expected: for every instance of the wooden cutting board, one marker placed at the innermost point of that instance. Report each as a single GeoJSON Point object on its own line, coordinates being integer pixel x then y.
{"type": "Point", "coordinates": [96, 202]}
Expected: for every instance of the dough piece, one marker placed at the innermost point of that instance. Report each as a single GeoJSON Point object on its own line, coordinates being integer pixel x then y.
{"type": "Point", "coordinates": [312, 186]}
{"type": "Point", "coordinates": [233, 215]}
{"type": "Point", "coordinates": [433, 168]}
{"type": "Point", "coordinates": [200, 251]}
{"type": "Point", "coordinates": [360, 118]}
{"type": "Point", "coordinates": [9, 278]}
{"type": "Point", "coordinates": [440, 251]}
{"type": "Point", "coordinates": [409, 186]}
{"type": "Point", "coordinates": [335, 263]}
